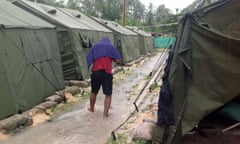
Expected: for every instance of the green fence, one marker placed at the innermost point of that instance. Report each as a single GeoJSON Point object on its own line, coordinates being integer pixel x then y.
{"type": "Point", "coordinates": [164, 42]}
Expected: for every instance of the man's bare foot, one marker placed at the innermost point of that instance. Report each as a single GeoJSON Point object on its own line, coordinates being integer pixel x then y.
{"type": "Point", "coordinates": [90, 109]}
{"type": "Point", "coordinates": [106, 115]}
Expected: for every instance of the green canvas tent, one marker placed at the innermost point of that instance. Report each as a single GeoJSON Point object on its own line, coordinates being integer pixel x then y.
{"type": "Point", "coordinates": [125, 40]}
{"type": "Point", "coordinates": [205, 69]}
{"type": "Point", "coordinates": [145, 41]}
{"type": "Point", "coordinates": [74, 37]}
{"type": "Point", "coordinates": [95, 26]}
{"type": "Point", "coordinates": [29, 60]}
{"type": "Point", "coordinates": [97, 30]}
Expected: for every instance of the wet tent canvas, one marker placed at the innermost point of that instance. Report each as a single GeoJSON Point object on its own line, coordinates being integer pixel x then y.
{"type": "Point", "coordinates": [125, 40]}
{"type": "Point", "coordinates": [205, 71]}
{"type": "Point", "coordinates": [98, 30]}
{"type": "Point", "coordinates": [29, 60]}
{"type": "Point", "coordinates": [74, 37]}
{"type": "Point", "coordinates": [145, 41]}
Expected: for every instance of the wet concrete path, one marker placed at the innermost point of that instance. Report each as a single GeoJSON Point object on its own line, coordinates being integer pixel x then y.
{"type": "Point", "coordinates": [82, 127]}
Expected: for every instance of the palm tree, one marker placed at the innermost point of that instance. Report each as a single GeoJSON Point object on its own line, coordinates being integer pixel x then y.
{"type": "Point", "coordinates": [112, 10]}
{"type": "Point", "coordinates": [72, 4]}
{"type": "Point", "coordinates": [138, 11]}
{"type": "Point", "coordinates": [162, 13]}
{"type": "Point", "coordinates": [150, 16]}
{"type": "Point", "coordinates": [87, 6]}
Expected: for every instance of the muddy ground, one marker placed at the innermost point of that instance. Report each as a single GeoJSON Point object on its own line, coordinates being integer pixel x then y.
{"type": "Point", "coordinates": [72, 123]}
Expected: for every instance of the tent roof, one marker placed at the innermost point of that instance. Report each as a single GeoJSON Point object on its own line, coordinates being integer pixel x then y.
{"type": "Point", "coordinates": [52, 14]}
{"type": "Point", "coordinates": [11, 17]}
{"type": "Point", "coordinates": [221, 16]}
{"type": "Point", "coordinates": [82, 18]}
{"type": "Point", "coordinates": [140, 32]}
{"type": "Point", "coordinates": [115, 26]}
{"type": "Point", "coordinates": [143, 33]}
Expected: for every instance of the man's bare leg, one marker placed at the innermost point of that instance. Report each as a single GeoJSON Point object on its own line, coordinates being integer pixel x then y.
{"type": "Point", "coordinates": [92, 102]}
{"type": "Point", "coordinates": [107, 104]}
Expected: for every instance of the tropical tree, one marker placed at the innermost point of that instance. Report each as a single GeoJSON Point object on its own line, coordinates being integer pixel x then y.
{"type": "Point", "coordinates": [87, 6]}
{"type": "Point", "coordinates": [99, 5]}
{"type": "Point", "coordinates": [162, 13]}
{"type": "Point", "coordinates": [50, 2]}
{"type": "Point", "coordinates": [136, 13]}
{"type": "Point", "coordinates": [137, 10]}
{"type": "Point", "coordinates": [112, 10]}
{"type": "Point", "coordinates": [72, 4]}
{"type": "Point", "coordinates": [150, 21]}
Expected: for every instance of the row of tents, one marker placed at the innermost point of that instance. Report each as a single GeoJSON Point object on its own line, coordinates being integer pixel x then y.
{"type": "Point", "coordinates": [41, 46]}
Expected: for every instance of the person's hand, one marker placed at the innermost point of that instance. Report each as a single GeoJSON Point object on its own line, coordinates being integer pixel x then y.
{"type": "Point", "coordinates": [117, 61]}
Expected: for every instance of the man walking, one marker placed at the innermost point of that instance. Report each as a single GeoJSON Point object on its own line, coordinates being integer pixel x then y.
{"type": "Point", "coordinates": [101, 56]}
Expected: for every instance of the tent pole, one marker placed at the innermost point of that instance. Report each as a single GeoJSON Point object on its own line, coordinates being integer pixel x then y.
{"type": "Point", "coordinates": [231, 127]}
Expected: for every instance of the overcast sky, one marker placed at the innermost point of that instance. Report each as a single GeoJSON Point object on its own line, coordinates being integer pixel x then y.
{"type": "Point", "coordinates": [171, 4]}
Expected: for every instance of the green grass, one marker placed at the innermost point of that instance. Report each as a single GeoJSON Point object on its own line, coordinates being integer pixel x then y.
{"type": "Point", "coordinates": [154, 86]}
